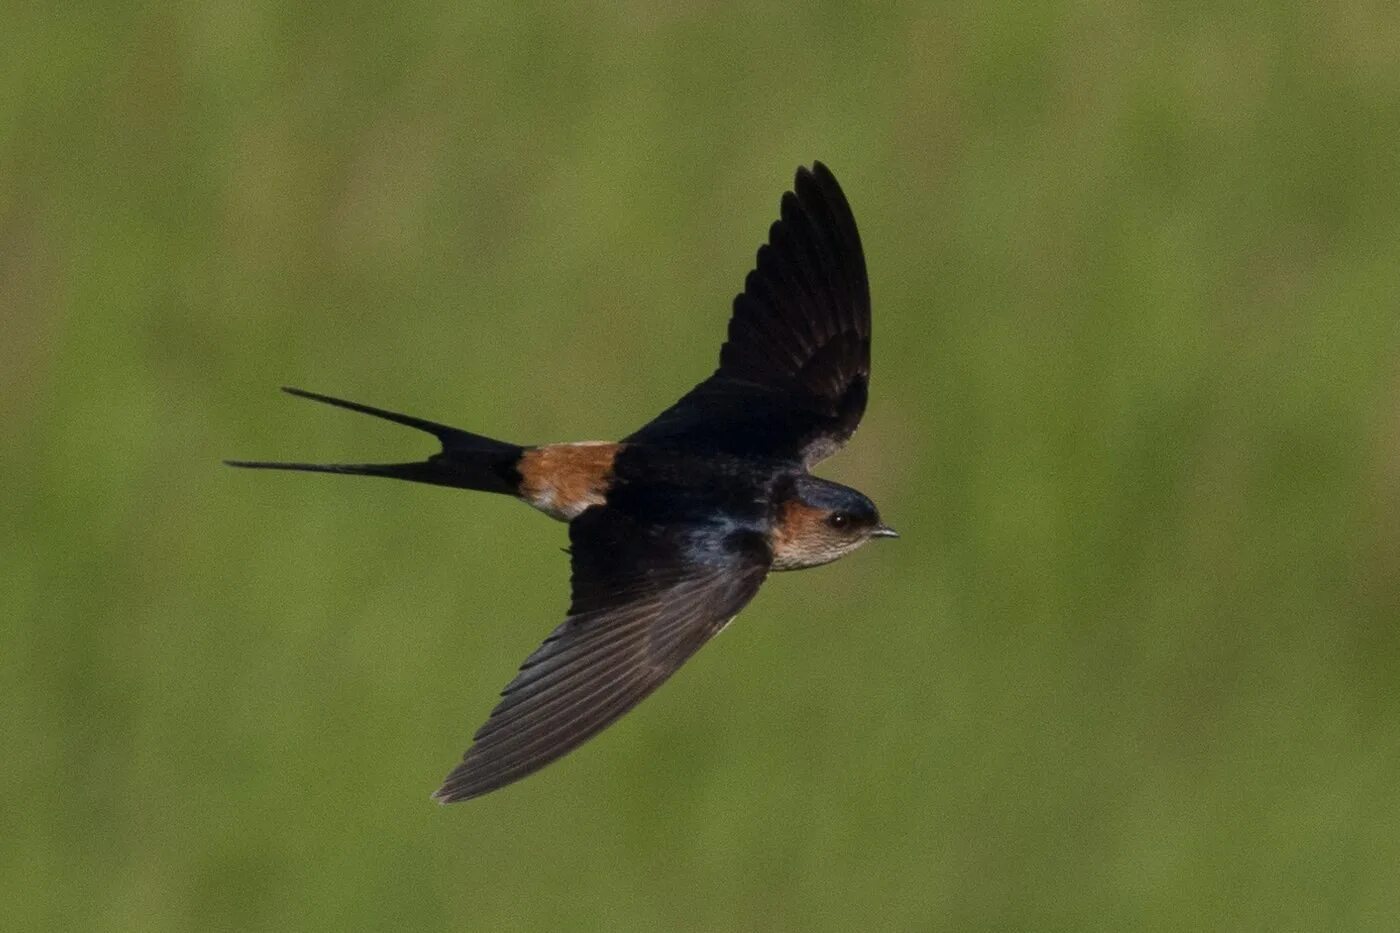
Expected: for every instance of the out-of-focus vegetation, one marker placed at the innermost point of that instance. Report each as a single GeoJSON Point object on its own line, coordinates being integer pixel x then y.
{"type": "Point", "coordinates": [1136, 410]}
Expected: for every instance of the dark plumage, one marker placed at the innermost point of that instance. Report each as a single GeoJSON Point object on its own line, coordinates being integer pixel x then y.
{"type": "Point", "coordinates": [794, 374]}
{"type": "Point", "coordinates": [673, 529]}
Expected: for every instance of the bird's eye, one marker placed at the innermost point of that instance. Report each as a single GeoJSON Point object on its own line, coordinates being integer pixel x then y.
{"type": "Point", "coordinates": [839, 520]}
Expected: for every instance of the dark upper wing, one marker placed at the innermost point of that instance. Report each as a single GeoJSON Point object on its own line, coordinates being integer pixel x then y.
{"type": "Point", "coordinates": [793, 375]}
{"type": "Point", "coordinates": [645, 598]}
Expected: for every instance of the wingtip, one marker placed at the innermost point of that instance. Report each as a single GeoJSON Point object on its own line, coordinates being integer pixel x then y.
{"type": "Point", "coordinates": [818, 171]}
{"type": "Point", "coordinates": [817, 184]}
{"type": "Point", "coordinates": [447, 794]}
{"type": "Point", "coordinates": [456, 788]}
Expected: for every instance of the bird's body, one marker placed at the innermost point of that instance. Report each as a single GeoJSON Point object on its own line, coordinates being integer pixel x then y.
{"type": "Point", "coordinates": [681, 489]}
{"type": "Point", "coordinates": [673, 529]}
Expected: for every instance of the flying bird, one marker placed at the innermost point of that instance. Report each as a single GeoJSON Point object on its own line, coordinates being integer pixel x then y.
{"type": "Point", "coordinates": [673, 529]}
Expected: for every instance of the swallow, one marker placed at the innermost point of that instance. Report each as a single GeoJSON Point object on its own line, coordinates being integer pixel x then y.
{"type": "Point", "coordinates": [673, 529]}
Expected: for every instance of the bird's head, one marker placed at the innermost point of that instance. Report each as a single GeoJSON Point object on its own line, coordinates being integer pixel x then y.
{"type": "Point", "coordinates": [818, 521]}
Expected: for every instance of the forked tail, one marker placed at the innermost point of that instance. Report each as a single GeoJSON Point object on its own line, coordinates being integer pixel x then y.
{"type": "Point", "coordinates": [466, 461]}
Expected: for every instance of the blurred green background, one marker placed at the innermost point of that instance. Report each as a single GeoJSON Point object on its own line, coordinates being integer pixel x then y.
{"type": "Point", "coordinates": [1136, 409]}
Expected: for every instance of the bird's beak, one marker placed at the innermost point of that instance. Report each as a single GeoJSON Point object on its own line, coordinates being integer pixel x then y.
{"type": "Point", "coordinates": [884, 531]}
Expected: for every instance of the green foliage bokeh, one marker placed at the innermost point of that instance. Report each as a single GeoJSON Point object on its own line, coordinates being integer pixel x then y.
{"type": "Point", "coordinates": [1135, 409]}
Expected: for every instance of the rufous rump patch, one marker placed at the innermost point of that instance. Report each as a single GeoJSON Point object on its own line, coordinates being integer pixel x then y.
{"type": "Point", "coordinates": [562, 480]}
